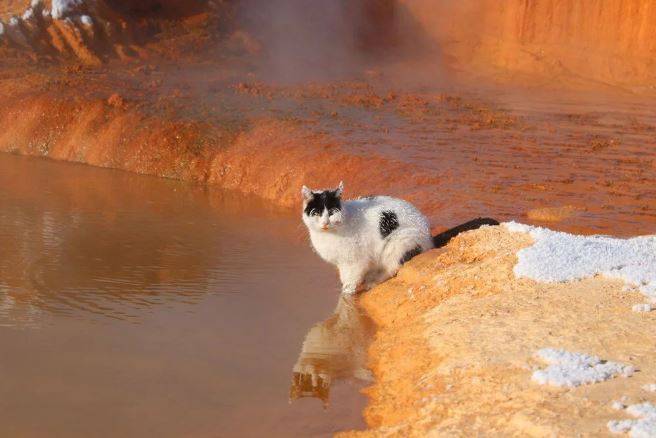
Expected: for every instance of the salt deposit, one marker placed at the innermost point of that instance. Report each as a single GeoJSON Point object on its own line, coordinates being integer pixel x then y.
{"type": "Point", "coordinates": [644, 307]}
{"type": "Point", "coordinates": [643, 427]}
{"type": "Point", "coordinates": [560, 257]}
{"type": "Point", "coordinates": [567, 369]}
{"type": "Point", "coordinates": [618, 405]}
{"type": "Point", "coordinates": [28, 14]}
{"type": "Point", "coordinates": [60, 8]}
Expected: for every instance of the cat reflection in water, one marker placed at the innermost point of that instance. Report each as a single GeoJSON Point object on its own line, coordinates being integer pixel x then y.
{"type": "Point", "coordinates": [333, 350]}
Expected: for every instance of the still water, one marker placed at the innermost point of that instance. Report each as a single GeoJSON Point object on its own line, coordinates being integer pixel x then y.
{"type": "Point", "coordinates": [136, 306]}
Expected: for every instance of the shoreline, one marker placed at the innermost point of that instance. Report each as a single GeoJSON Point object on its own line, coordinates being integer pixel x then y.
{"type": "Point", "coordinates": [376, 142]}
{"type": "Point", "coordinates": [454, 354]}
{"type": "Point", "coordinates": [270, 157]}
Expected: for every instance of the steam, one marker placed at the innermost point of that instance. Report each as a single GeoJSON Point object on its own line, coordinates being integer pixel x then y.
{"type": "Point", "coordinates": [333, 39]}
{"type": "Point", "coordinates": [304, 38]}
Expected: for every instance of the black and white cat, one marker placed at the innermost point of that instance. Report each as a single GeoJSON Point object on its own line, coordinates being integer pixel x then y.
{"type": "Point", "coordinates": [368, 239]}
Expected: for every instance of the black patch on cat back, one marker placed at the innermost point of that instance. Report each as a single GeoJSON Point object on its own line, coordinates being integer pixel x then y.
{"type": "Point", "coordinates": [327, 199]}
{"type": "Point", "coordinates": [388, 223]}
{"type": "Point", "coordinates": [410, 254]}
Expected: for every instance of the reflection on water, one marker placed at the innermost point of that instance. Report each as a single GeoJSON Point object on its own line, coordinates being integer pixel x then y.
{"type": "Point", "coordinates": [136, 306]}
{"type": "Point", "coordinates": [74, 241]}
{"type": "Point", "coordinates": [333, 350]}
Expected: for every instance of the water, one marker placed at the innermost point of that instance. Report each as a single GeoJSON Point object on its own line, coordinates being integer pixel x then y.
{"type": "Point", "coordinates": [135, 306]}
{"type": "Point", "coordinates": [504, 155]}
{"type": "Point", "coordinates": [460, 153]}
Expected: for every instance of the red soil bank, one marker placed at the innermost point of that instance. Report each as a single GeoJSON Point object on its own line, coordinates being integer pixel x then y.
{"type": "Point", "coordinates": [272, 158]}
{"type": "Point", "coordinates": [554, 41]}
{"type": "Point", "coordinates": [609, 41]}
{"type": "Point", "coordinates": [454, 155]}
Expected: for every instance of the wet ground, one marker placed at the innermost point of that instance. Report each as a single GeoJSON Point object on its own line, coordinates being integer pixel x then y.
{"type": "Point", "coordinates": [579, 161]}
{"type": "Point", "coordinates": [137, 306]}
{"type": "Point", "coordinates": [574, 161]}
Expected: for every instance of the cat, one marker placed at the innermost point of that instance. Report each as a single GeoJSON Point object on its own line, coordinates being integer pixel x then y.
{"type": "Point", "coordinates": [368, 239]}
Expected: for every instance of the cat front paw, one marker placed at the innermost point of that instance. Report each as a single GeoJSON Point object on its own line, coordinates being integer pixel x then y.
{"type": "Point", "coordinates": [349, 289]}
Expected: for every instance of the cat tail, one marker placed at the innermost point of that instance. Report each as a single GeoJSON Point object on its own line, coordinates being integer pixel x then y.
{"type": "Point", "coordinates": [440, 240]}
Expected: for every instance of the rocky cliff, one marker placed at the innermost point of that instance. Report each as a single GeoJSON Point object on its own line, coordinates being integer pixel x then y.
{"type": "Point", "coordinates": [606, 41]}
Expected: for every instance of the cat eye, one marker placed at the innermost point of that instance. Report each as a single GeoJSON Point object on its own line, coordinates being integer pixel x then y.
{"type": "Point", "coordinates": [314, 212]}
{"type": "Point", "coordinates": [333, 211]}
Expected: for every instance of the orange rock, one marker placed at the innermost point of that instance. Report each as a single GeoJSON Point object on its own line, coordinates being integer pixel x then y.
{"type": "Point", "coordinates": [456, 335]}
{"type": "Point", "coordinates": [552, 39]}
{"type": "Point", "coordinates": [553, 214]}
{"type": "Point", "coordinates": [73, 37]}
{"type": "Point", "coordinates": [116, 101]}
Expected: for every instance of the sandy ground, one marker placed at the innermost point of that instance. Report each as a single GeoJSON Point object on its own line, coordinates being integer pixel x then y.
{"type": "Point", "coordinates": [457, 332]}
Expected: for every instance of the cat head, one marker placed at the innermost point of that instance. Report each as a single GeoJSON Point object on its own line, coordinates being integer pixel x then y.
{"type": "Point", "coordinates": [322, 209]}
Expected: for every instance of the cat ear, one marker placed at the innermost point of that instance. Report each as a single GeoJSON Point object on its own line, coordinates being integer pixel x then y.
{"type": "Point", "coordinates": [306, 193]}
{"type": "Point", "coordinates": [340, 188]}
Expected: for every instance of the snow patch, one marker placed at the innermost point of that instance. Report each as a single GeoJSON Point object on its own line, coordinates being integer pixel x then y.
{"type": "Point", "coordinates": [28, 14]}
{"type": "Point", "coordinates": [60, 8]}
{"type": "Point", "coordinates": [86, 20]}
{"type": "Point", "coordinates": [567, 369]}
{"type": "Point", "coordinates": [35, 3]}
{"type": "Point", "coordinates": [2, 28]}
{"type": "Point", "coordinates": [645, 307]}
{"type": "Point", "coordinates": [516, 227]}
{"type": "Point", "coordinates": [618, 405]}
{"type": "Point", "coordinates": [13, 21]}
{"type": "Point", "coordinates": [643, 427]}
{"type": "Point", "coordinates": [651, 387]}
{"type": "Point", "coordinates": [558, 257]}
